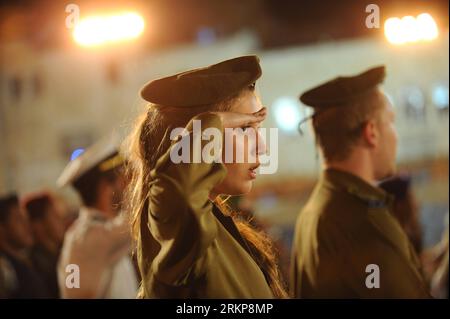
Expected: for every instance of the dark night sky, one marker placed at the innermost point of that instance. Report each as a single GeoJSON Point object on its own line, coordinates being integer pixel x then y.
{"type": "Point", "coordinates": [277, 23]}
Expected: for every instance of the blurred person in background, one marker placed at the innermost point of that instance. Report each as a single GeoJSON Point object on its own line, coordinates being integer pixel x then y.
{"type": "Point", "coordinates": [19, 279]}
{"type": "Point", "coordinates": [405, 208]}
{"type": "Point", "coordinates": [436, 263]}
{"type": "Point", "coordinates": [99, 241]}
{"type": "Point", "coordinates": [439, 279]}
{"type": "Point", "coordinates": [4, 275]}
{"type": "Point", "coordinates": [46, 217]}
{"type": "Point", "coordinates": [347, 243]}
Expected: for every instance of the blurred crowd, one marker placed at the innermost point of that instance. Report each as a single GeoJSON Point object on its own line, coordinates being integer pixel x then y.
{"type": "Point", "coordinates": [33, 230]}
{"type": "Point", "coordinates": [31, 235]}
{"type": "Point", "coordinates": [46, 250]}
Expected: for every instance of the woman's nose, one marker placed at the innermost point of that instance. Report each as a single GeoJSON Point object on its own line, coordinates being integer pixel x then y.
{"type": "Point", "coordinates": [261, 147]}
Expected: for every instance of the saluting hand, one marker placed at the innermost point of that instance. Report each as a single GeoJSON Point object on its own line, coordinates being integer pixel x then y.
{"type": "Point", "coordinates": [235, 119]}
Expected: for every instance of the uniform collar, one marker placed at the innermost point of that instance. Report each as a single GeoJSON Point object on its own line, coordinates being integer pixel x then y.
{"type": "Point", "coordinates": [373, 196]}
{"type": "Point", "coordinates": [92, 213]}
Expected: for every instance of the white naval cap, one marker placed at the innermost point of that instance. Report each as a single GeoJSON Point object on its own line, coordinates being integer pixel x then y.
{"type": "Point", "coordinates": [101, 157]}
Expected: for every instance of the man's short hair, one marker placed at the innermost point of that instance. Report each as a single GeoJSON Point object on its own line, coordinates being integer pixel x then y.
{"type": "Point", "coordinates": [338, 129]}
{"type": "Point", "coordinates": [37, 206]}
{"type": "Point", "coordinates": [6, 203]}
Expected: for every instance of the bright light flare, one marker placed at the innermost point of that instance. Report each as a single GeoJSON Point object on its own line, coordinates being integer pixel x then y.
{"type": "Point", "coordinates": [410, 29]}
{"type": "Point", "coordinates": [99, 30]}
{"type": "Point", "coordinates": [428, 28]}
{"type": "Point", "coordinates": [287, 113]}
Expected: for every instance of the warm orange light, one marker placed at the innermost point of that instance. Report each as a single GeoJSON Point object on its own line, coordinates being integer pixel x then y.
{"type": "Point", "coordinates": [99, 30]}
{"type": "Point", "coordinates": [410, 29]}
{"type": "Point", "coordinates": [427, 26]}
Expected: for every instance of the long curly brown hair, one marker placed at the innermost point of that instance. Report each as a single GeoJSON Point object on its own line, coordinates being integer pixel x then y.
{"type": "Point", "coordinates": [146, 144]}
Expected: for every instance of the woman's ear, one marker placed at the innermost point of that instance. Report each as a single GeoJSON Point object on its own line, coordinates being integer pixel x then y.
{"type": "Point", "coordinates": [370, 133]}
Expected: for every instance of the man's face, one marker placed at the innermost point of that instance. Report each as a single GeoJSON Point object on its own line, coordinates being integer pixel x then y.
{"type": "Point", "coordinates": [118, 187]}
{"type": "Point", "coordinates": [16, 230]}
{"type": "Point", "coordinates": [111, 190]}
{"type": "Point", "coordinates": [386, 149]}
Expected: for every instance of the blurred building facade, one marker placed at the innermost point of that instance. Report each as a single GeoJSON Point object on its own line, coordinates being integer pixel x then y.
{"type": "Point", "coordinates": [55, 102]}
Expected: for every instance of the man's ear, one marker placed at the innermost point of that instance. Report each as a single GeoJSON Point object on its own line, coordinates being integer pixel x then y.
{"type": "Point", "coordinates": [370, 133]}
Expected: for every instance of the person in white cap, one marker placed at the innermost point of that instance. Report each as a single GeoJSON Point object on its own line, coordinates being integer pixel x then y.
{"type": "Point", "coordinates": [95, 260]}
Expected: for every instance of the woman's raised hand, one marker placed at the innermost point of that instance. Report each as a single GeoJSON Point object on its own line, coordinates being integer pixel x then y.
{"type": "Point", "coordinates": [235, 119]}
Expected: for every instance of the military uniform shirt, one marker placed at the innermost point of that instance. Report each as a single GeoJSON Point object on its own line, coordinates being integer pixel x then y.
{"type": "Point", "coordinates": [344, 231]}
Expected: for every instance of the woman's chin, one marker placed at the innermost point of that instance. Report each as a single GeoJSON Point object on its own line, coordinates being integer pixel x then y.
{"type": "Point", "coordinates": [234, 189]}
{"type": "Point", "coordinates": [243, 188]}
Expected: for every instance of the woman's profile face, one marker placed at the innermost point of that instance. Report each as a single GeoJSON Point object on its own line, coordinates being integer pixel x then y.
{"type": "Point", "coordinates": [246, 147]}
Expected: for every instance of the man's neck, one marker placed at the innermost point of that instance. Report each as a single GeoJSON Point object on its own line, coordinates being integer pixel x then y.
{"type": "Point", "coordinates": [356, 165]}
{"type": "Point", "coordinates": [106, 212]}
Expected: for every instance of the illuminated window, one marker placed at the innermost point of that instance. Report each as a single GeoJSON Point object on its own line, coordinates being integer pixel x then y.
{"type": "Point", "coordinates": [439, 96]}
{"type": "Point", "coordinates": [413, 100]}
{"type": "Point", "coordinates": [287, 114]}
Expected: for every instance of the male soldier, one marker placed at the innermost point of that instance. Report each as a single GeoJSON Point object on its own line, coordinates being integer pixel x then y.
{"type": "Point", "coordinates": [347, 244]}
{"type": "Point", "coordinates": [98, 242]}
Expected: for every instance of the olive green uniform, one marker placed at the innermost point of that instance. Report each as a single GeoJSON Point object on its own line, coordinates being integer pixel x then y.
{"type": "Point", "coordinates": [189, 249]}
{"type": "Point", "coordinates": [344, 227]}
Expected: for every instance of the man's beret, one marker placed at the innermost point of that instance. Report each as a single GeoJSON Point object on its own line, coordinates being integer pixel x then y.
{"type": "Point", "coordinates": [343, 89]}
{"type": "Point", "coordinates": [203, 86]}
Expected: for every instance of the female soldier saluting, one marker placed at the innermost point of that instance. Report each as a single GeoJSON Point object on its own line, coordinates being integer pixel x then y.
{"type": "Point", "coordinates": [188, 243]}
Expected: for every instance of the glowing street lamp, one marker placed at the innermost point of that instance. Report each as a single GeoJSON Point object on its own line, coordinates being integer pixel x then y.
{"type": "Point", "coordinates": [428, 28]}
{"type": "Point", "coordinates": [100, 30]}
{"type": "Point", "coordinates": [410, 29]}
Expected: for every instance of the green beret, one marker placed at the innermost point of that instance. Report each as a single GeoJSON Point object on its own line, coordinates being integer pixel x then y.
{"type": "Point", "coordinates": [343, 89]}
{"type": "Point", "coordinates": [208, 85]}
